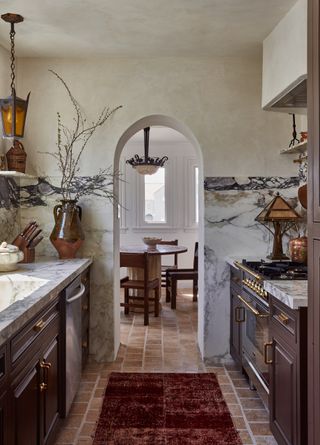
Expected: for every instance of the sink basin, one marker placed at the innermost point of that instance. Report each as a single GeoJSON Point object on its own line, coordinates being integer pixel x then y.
{"type": "Point", "coordinates": [15, 287]}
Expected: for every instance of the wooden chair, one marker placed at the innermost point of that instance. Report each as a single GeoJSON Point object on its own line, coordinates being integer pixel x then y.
{"type": "Point", "coordinates": [173, 276]}
{"type": "Point", "coordinates": [164, 267]}
{"type": "Point", "coordinates": [139, 261]}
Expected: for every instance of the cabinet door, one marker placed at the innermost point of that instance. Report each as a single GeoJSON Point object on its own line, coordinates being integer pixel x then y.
{"type": "Point", "coordinates": [283, 393]}
{"type": "Point", "coordinates": [236, 317]}
{"type": "Point", "coordinates": [5, 426]}
{"type": "Point", "coordinates": [50, 375]}
{"type": "Point", "coordinates": [27, 408]}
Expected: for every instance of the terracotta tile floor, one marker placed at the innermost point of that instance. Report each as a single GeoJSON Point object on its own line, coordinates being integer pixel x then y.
{"type": "Point", "coordinates": [168, 344]}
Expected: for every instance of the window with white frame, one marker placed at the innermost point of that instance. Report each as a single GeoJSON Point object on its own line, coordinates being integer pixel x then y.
{"type": "Point", "coordinates": [167, 200]}
{"type": "Point", "coordinates": [155, 197]}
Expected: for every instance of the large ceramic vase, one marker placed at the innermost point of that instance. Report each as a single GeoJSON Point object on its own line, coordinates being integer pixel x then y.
{"type": "Point", "coordinates": [67, 235]}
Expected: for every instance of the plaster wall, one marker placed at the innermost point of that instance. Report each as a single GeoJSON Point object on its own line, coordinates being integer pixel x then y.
{"type": "Point", "coordinates": [217, 99]}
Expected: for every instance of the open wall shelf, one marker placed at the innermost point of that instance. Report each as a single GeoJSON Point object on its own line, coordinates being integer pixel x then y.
{"type": "Point", "coordinates": [298, 148]}
{"type": "Point", "coordinates": [15, 174]}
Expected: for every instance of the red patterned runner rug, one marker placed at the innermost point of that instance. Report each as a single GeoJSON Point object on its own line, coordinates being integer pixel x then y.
{"type": "Point", "coordinates": [164, 409]}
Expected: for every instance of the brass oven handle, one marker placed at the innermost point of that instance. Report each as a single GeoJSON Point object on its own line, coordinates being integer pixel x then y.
{"type": "Point", "coordinates": [237, 317]}
{"type": "Point", "coordinates": [252, 309]}
{"type": "Point", "coordinates": [246, 269]}
{"type": "Point", "coordinates": [283, 318]}
{"type": "Point", "coordinates": [266, 345]}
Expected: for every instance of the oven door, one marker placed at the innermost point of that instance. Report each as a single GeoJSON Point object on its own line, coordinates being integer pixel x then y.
{"type": "Point", "coordinates": [255, 336]}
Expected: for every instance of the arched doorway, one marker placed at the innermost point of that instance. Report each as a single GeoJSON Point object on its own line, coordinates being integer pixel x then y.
{"type": "Point", "coordinates": [165, 121]}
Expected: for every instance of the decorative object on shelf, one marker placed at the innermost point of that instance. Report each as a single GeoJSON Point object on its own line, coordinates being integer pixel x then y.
{"type": "Point", "coordinates": [16, 157]}
{"type": "Point", "coordinates": [151, 241]}
{"type": "Point", "coordinates": [10, 256]}
{"type": "Point", "coordinates": [27, 240]}
{"type": "Point", "coordinates": [67, 235]}
{"type": "Point", "coordinates": [304, 136]}
{"type": "Point", "coordinates": [283, 217]}
{"type": "Point", "coordinates": [294, 139]}
{"type": "Point", "coordinates": [298, 248]}
{"type": "Point", "coordinates": [13, 108]}
{"type": "Point", "coordinates": [146, 165]}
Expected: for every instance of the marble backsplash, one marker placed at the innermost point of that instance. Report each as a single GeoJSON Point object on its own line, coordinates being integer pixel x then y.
{"type": "Point", "coordinates": [231, 205]}
{"type": "Point", "coordinates": [9, 208]}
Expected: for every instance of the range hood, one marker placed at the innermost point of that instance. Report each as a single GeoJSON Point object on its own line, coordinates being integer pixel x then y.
{"type": "Point", "coordinates": [293, 99]}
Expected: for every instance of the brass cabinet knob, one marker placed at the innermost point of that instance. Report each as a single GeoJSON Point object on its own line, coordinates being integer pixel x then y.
{"type": "Point", "coordinates": [84, 344]}
{"type": "Point", "coordinates": [45, 365]}
{"type": "Point", "coordinates": [43, 387]}
{"type": "Point", "coordinates": [38, 326]}
{"type": "Point", "coordinates": [85, 307]}
{"type": "Point", "coordinates": [283, 318]}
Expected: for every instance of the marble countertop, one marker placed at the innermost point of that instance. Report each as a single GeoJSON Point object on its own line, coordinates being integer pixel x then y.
{"type": "Point", "coordinates": [53, 275]}
{"type": "Point", "coordinates": [293, 293]}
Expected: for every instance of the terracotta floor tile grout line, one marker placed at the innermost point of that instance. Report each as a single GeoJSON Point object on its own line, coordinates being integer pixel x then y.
{"type": "Point", "coordinates": [242, 410]}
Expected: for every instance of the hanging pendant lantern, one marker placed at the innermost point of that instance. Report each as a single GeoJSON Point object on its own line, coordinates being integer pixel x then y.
{"type": "Point", "coordinates": [146, 165]}
{"type": "Point", "coordinates": [13, 109]}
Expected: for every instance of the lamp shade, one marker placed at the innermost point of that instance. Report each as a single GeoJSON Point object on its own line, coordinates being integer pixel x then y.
{"type": "Point", "coordinates": [13, 115]}
{"type": "Point", "coordinates": [278, 210]}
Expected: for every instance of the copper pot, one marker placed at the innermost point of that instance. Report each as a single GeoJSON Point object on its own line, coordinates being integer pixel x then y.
{"type": "Point", "coordinates": [298, 248]}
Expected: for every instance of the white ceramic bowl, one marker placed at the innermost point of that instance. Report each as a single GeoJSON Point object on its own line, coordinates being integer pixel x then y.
{"type": "Point", "coordinates": [9, 257]}
{"type": "Point", "coordinates": [151, 242]}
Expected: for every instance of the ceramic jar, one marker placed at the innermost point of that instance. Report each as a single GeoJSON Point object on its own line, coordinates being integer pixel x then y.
{"type": "Point", "coordinates": [298, 248]}
{"type": "Point", "coordinates": [67, 235]}
{"type": "Point", "coordinates": [9, 257]}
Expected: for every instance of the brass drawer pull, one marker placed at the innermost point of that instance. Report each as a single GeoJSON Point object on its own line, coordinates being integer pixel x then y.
{"type": "Point", "coordinates": [38, 326]}
{"type": "Point", "coordinates": [283, 318]}
{"type": "Point", "coordinates": [266, 360]}
{"type": "Point", "coordinates": [43, 387]}
{"type": "Point", "coordinates": [45, 365]}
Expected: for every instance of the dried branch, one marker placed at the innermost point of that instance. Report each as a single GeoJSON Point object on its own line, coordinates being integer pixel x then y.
{"type": "Point", "coordinates": [71, 144]}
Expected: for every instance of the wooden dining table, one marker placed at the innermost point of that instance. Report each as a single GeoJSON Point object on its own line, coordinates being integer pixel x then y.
{"type": "Point", "coordinates": [154, 259]}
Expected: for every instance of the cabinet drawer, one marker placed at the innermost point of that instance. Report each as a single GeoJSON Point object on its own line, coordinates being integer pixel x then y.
{"type": "Point", "coordinates": [284, 316]}
{"type": "Point", "coordinates": [32, 330]}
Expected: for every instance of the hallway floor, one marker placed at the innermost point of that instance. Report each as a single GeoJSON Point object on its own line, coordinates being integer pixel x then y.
{"type": "Point", "coordinates": [168, 344]}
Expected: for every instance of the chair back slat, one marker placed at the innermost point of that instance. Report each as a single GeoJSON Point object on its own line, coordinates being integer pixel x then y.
{"type": "Point", "coordinates": [133, 260]}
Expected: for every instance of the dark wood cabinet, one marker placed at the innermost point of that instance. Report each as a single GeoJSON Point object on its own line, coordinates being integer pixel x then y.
{"type": "Point", "coordinates": [26, 406]}
{"type": "Point", "coordinates": [50, 396]}
{"type": "Point", "coordinates": [31, 375]}
{"type": "Point", "coordinates": [35, 385]}
{"type": "Point", "coordinates": [288, 374]}
{"type": "Point", "coordinates": [236, 314]}
{"type": "Point", "coordinates": [4, 418]}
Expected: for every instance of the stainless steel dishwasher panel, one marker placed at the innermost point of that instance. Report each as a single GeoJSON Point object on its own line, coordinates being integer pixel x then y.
{"type": "Point", "coordinates": [73, 346]}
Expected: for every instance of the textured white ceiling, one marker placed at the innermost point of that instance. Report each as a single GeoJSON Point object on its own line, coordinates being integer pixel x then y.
{"type": "Point", "coordinates": [141, 28]}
